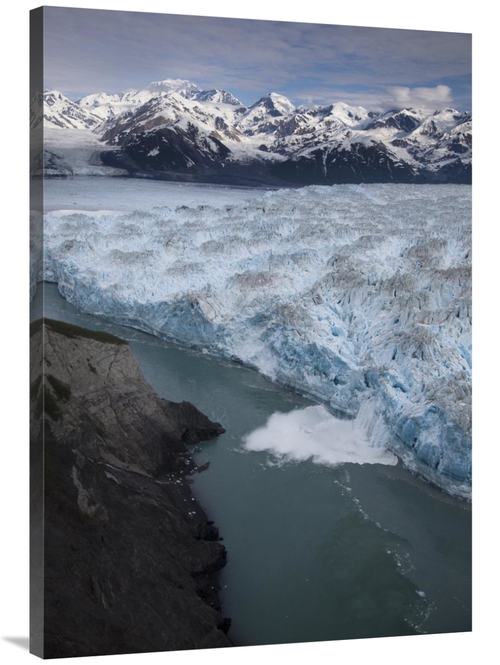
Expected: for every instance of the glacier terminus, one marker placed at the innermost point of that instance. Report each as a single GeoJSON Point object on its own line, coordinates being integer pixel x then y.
{"type": "Point", "coordinates": [358, 296]}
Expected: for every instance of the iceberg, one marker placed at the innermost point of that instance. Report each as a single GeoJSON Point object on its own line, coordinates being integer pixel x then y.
{"type": "Point", "coordinates": [349, 294]}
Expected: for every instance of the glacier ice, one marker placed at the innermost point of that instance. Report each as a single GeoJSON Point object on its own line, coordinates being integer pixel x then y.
{"type": "Point", "coordinates": [313, 433]}
{"type": "Point", "coordinates": [350, 294]}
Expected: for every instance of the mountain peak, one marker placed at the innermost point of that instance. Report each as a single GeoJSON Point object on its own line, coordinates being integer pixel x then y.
{"type": "Point", "coordinates": [174, 123]}
{"type": "Point", "coordinates": [218, 96]}
{"type": "Point", "coordinates": [275, 103]}
{"type": "Point", "coordinates": [59, 111]}
{"type": "Point", "coordinates": [182, 86]}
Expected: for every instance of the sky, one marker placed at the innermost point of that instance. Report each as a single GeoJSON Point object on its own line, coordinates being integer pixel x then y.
{"type": "Point", "coordinates": [88, 51]}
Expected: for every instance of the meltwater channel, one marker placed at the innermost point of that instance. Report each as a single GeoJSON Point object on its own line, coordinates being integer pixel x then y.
{"type": "Point", "coordinates": [315, 552]}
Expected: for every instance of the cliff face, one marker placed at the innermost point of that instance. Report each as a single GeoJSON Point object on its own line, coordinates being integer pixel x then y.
{"type": "Point", "coordinates": [129, 556]}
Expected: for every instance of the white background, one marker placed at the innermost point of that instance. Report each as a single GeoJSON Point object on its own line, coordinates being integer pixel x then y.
{"type": "Point", "coordinates": [14, 371]}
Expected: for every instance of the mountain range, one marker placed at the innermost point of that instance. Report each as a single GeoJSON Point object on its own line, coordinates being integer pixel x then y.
{"type": "Point", "coordinates": [174, 130]}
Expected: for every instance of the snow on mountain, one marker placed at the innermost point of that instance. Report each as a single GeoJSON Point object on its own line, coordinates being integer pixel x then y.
{"type": "Point", "coordinates": [398, 146]}
{"type": "Point", "coordinates": [309, 128]}
{"type": "Point", "coordinates": [169, 110]}
{"type": "Point", "coordinates": [356, 295]}
{"type": "Point", "coordinates": [324, 145]}
{"type": "Point", "coordinates": [110, 106]}
{"type": "Point", "coordinates": [176, 134]}
{"type": "Point", "coordinates": [217, 96]}
{"type": "Point", "coordinates": [393, 122]}
{"type": "Point", "coordinates": [58, 111]}
{"type": "Point", "coordinates": [352, 116]}
{"type": "Point", "coordinates": [442, 122]}
{"type": "Point", "coordinates": [181, 86]}
{"type": "Point", "coordinates": [69, 144]}
{"type": "Point", "coordinates": [271, 142]}
{"type": "Point", "coordinates": [444, 135]}
{"type": "Point", "coordinates": [264, 116]}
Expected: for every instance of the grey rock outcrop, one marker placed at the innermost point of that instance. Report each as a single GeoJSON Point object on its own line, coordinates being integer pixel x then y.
{"type": "Point", "coordinates": [130, 558]}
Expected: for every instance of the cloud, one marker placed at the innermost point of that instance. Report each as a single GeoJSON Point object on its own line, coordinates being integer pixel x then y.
{"type": "Point", "coordinates": [94, 50]}
{"type": "Point", "coordinates": [380, 98]}
{"type": "Point", "coordinates": [422, 98]}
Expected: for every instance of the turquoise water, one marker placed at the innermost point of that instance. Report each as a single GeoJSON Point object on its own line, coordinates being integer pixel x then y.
{"type": "Point", "coordinates": [314, 552]}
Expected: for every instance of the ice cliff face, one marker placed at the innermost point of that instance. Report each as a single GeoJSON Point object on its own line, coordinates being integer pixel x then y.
{"type": "Point", "coordinates": [359, 296]}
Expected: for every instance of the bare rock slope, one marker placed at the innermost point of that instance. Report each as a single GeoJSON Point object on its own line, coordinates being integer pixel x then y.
{"type": "Point", "coordinates": [130, 559]}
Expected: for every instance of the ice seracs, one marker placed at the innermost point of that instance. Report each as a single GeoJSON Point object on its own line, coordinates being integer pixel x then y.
{"type": "Point", "coordinates": [353, 295]}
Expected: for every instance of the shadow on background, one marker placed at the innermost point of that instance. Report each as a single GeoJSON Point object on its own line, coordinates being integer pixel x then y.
{"type": "Point", "coordinates": [23, 642]}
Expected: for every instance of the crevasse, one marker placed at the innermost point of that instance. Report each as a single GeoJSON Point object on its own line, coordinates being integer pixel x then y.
{"type": "Point", "coordinates": [348, 294]}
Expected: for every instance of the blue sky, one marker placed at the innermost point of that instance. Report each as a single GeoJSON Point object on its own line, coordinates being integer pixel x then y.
{"type": "Point", "coordinates": [90, 50]}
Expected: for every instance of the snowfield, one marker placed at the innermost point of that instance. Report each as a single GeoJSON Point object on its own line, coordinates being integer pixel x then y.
{"type": "Point", "coordinates": [358, 296]}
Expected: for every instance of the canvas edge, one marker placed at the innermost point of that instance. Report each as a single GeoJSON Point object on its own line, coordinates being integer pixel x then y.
{"type": "Point", "coordinates": [36, 484]}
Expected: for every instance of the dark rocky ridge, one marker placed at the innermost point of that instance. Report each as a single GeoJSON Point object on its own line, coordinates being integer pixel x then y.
{"type": "Point", "coordinates": [323, 166]}
{"type": "Point", "coordinates": [130, 559]}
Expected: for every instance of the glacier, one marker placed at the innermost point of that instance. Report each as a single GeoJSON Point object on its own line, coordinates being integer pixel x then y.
{"type": "Point", "coordinates": [358, 296]}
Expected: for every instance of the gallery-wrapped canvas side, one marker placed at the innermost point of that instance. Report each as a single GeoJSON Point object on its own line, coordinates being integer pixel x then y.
{"type": "Point", "coordinates": [36, 357]}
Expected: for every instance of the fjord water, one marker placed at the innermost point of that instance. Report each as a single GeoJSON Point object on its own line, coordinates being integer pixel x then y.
{"type": "Point", "coordinates": [315, 552]}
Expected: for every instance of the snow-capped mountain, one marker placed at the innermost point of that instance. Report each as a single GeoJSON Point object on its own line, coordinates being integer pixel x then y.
{"type": "Point", "coordinates": [174, 129]}
{"type": "Point", "coordinates": [265, 116]}
{"type": "Point", "coordinates": [217, 96]}
{"type": "Point", "coordinates": [113, 105]}
{"type": "Point", "coordinates": [57, 110]}
{"type": "Point", "coordinates": [176, 110]}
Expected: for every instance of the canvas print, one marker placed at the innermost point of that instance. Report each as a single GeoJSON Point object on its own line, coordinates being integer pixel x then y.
{"type": "Point", "coordinates": [251, 332]}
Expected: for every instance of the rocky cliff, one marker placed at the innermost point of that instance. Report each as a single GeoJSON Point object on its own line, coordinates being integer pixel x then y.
{"type": "Point", "coordinates": [130, 559]}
